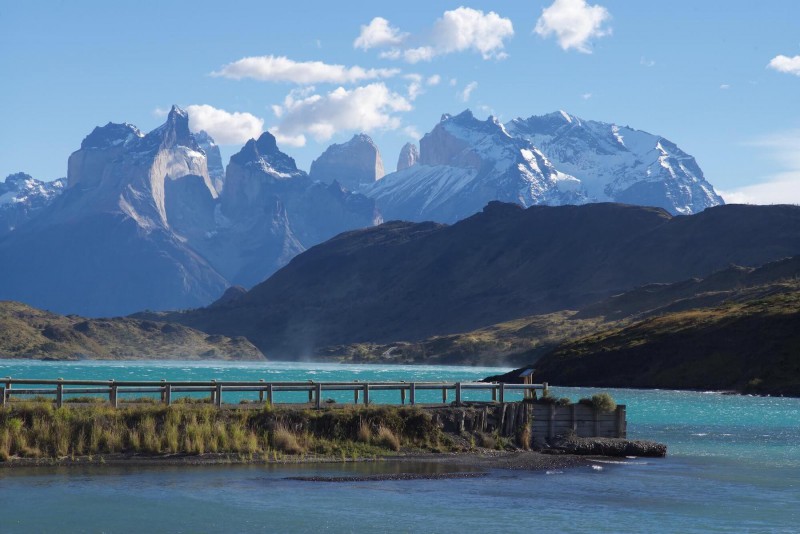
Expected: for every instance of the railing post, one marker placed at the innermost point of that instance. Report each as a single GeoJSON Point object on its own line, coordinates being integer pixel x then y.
{"type": "Point", "coordinates": [403, 395]}
{"type": "Point", "coordinates": [366, 394]}
{"type": "Point", "coordinates": [218, 394]}
{"type": "Point", "coordinates": [261, 393]}
{"type": "Point", "coordinates": [7, 392]}
{"type": "Point", "coordinates": [319, 395]}
{"type": "Point", "coordinates": [412, 393]}
{"type": "Point", "coordinates": [494, 393]}
{"type": "Point", "coordinates": [163, 390]}
{"type": "Point", "coordinates": [444, 395]}
{"type": "Point", "coordinates": [458, 393]}
{"type": "Point", "coordinates": [311, 393]}
{"type": "Point", "coordinates": [59, 394]}
{"type": "Point", "coordinates": [269, 394]}
{"type": "Point", "coordinates": [2, 396]}
{"type": "Point", "coordinates": [355, 396]}
{"type": "Point", "coordinates": [502, 392]}
{"type": "Point", "coordinates": [112, 395]}
{"type": "Point", "coordinates": [213, 397]}
{"type": "Point", "coordinates": [168, 394]}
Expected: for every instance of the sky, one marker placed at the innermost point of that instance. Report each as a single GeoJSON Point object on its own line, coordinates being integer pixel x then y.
{"type": "Point", "coordinates": [719, 78]}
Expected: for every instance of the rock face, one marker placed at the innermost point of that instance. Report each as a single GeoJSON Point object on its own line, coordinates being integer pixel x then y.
{"type": "Point", "coordinates": [409, 156]}
{"type": "Point", "coordinates": [353, 164]}
{"type": "Point", "coordinates": [216, 171]}
{"type": "Point", "coordinates": [620, 164]}
{"type": "Point", "coordinates": [22, 197]}
{"type": "Point", "coordinates": [464, 163]}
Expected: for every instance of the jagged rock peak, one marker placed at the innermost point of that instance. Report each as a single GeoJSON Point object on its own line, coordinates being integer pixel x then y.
{"type": "Point", "coordinates": [112, 134]}
{"type": "Point", "coordinates": [409, 156]}
{"type": "Point", "coordinates": [353, 164]}
{"type": "Point", "coordinates": [175, 131]}
{"type": "Point", "coordinates": [264, 150]}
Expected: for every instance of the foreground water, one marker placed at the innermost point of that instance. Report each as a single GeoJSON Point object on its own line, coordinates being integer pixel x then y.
{"type": "Point", "coordinates": [734, 464]}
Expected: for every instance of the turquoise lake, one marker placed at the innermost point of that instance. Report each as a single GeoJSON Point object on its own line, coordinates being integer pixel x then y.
{"type": "Point", "coordinates": [733, 465]}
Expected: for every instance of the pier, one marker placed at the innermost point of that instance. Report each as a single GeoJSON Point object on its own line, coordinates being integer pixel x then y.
{"type": "Point", "coordinates": [265, 392]}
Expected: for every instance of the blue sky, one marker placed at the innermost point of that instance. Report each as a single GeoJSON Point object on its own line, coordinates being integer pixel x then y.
{"type": "Point", "coordinates": [695, 72]}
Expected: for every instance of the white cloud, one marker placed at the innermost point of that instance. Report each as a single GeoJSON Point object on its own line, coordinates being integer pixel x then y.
{"type": "Point", "coordinates": [453, 82]}
{"type": "Point", "coordinates": [226, 128]}
{"type": "Point", "coordinates": [288, 140]}
{"type": "Point", "coordinates": [434, 80]}
{"type": "Point", "coordinates": [415, 86]}
{"type": "Point", "coordinates": [783, 187]}
{"type": "Point", "coordinates": [725, 86]}
{"type": "Point", "coordinates": [412, 132]}
{"type": "Point", "coordinates": [789, 65]}
{"type": "Point", "coordinates": [466, 93]}
{"type": "Point", "coordinates": [458, 30]}
{"type": "Point", "coordinates": [574, 23]}
{"type": "Point", "coordinates": [647, 62]}
{"type": "Point", "coordinates": [378, 33]}
{"type": "Point", "coordinates": [366, 108]}
{"type": "Point", "coordinates": [586, 96]}
{"type": "Point", "coordinates": [283, 69]}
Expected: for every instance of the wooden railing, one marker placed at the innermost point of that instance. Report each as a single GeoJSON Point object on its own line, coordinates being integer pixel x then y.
{"type": "Point", "coordinates": [266, 391]}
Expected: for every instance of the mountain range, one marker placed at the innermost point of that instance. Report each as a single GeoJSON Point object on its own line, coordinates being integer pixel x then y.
{"type": "Point", "coordinates": [404, 281]}
{"type": "Point", "coordinates": [154, 221]}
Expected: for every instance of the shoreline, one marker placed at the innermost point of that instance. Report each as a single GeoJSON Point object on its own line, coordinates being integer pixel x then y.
{"type": "Point", "coordinates": [456, 465]}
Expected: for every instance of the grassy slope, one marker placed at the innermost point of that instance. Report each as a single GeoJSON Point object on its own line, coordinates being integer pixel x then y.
{"type": "Point", "coordinates": [27, 332]}
{"type": "Point", "coordinates": [748, 345]}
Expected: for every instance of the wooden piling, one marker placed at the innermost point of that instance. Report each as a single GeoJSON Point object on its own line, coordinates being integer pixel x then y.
{"type": "Point", "coordinates": [319, 395]}
{"type": "Point", "coordinates": [502, 392]}
{"type": "Point", "coordinates": [366, 394]}
{"type": "Point", "coordinates": [218, 395]}
{"type": "Point", "coordinates": [412, 391]}
{"type": "Point", "coordinates": [112, 395]}
{"type": "Point", "coordinates": [261, 393]}
{"type": "Point", "coordinates": [269, 394]}
{"type": "Point", "coordinates": [458, 393]}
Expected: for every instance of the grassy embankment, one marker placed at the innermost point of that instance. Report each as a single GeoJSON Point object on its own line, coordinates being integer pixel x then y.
{"type": "Point", "coordinates": [38, 430]}
{"type": "Point", "coordinates": [751, 346]}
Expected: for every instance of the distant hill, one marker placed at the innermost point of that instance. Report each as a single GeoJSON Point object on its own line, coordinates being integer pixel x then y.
{"type": "Point", "coordinates": [406, 281]}
{"type": "Point", "coordinates": [26, 332]}
{"type": "Point", "coordinates": [750, 345]}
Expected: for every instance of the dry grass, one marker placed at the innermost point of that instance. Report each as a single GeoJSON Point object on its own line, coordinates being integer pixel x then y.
{"type": "Point", "coordinates": [388, 439]}
{"type": "Point", "coordinates": [286, 441]}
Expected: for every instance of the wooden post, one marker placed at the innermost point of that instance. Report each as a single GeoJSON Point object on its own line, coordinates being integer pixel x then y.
{"type": "Point", "coordinates": [7, 392]}
{"type": "Point", "coordinates": [213, 397]}
{"type": "Point", "coordinates": [218, 395]}
{"type": "Point", "coordinates": [319, 395]}
{"type": "Point", "coordinates": [403, 395]}
{"type": "Point", "coordinates": [2, 396]}
{"type": "Point", "coordinates": [261, 393]}
{"type": "Point", "coordinates": [494, 393]}
{"type": "Point", "coordinates": [310, 394]}
{"type": "Point", "coordinates": [366, 394]}
{"type": "Point", "coordinates": [444, 395]}
{"type": "Point", "coordinates": [59, 394]}
{"type": "Point", "coordinates": [502, 392]}
{"type": "Point", "coordinates": [269, 394]}
{"type": "Point", "coordinates": [458, 393]}
{"type": "Point", "coordinates": [168, 394]}
{"type": "Point", "coordinates": [112, 395]}
{"type": "Point", "coordinates": [355, 396]}
{"type": "Point", "coordinates": [164, 391]}
{"type": "Point", "coordinates": [412, 393]}
{"type": "Point", "coordinates": [573, 415]}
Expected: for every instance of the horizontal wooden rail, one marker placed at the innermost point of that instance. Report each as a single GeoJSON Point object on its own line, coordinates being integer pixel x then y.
{"type": "Point", "coordinates": [214, 389]}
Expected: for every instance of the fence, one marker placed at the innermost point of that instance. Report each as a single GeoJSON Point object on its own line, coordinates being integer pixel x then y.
{"type": "Point", "coordinates": [266, 391]}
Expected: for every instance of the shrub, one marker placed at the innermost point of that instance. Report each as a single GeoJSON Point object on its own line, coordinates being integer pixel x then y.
{"type": "Point", "coordinates": [387, 438]}
{"type": "Point", "coordinates": [601, 401]}
{"type": "Point", "coordinates": [284, 440]}
{"type": "Point", "coordinates": [364, 433]}
{"type": "Point", "coordinates": [524, 436]}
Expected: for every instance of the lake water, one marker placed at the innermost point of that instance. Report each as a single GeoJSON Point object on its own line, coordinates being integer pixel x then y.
{"type": "Point", "coordinates": [733, 465]}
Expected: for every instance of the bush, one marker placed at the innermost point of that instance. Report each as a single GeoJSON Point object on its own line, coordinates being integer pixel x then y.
{"type": "Point", "coordinates": [601, 401]}
{"type": "Point", "coordinates": [284, 440]}
{"type": "Point", "coordinates": [386, 438]}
